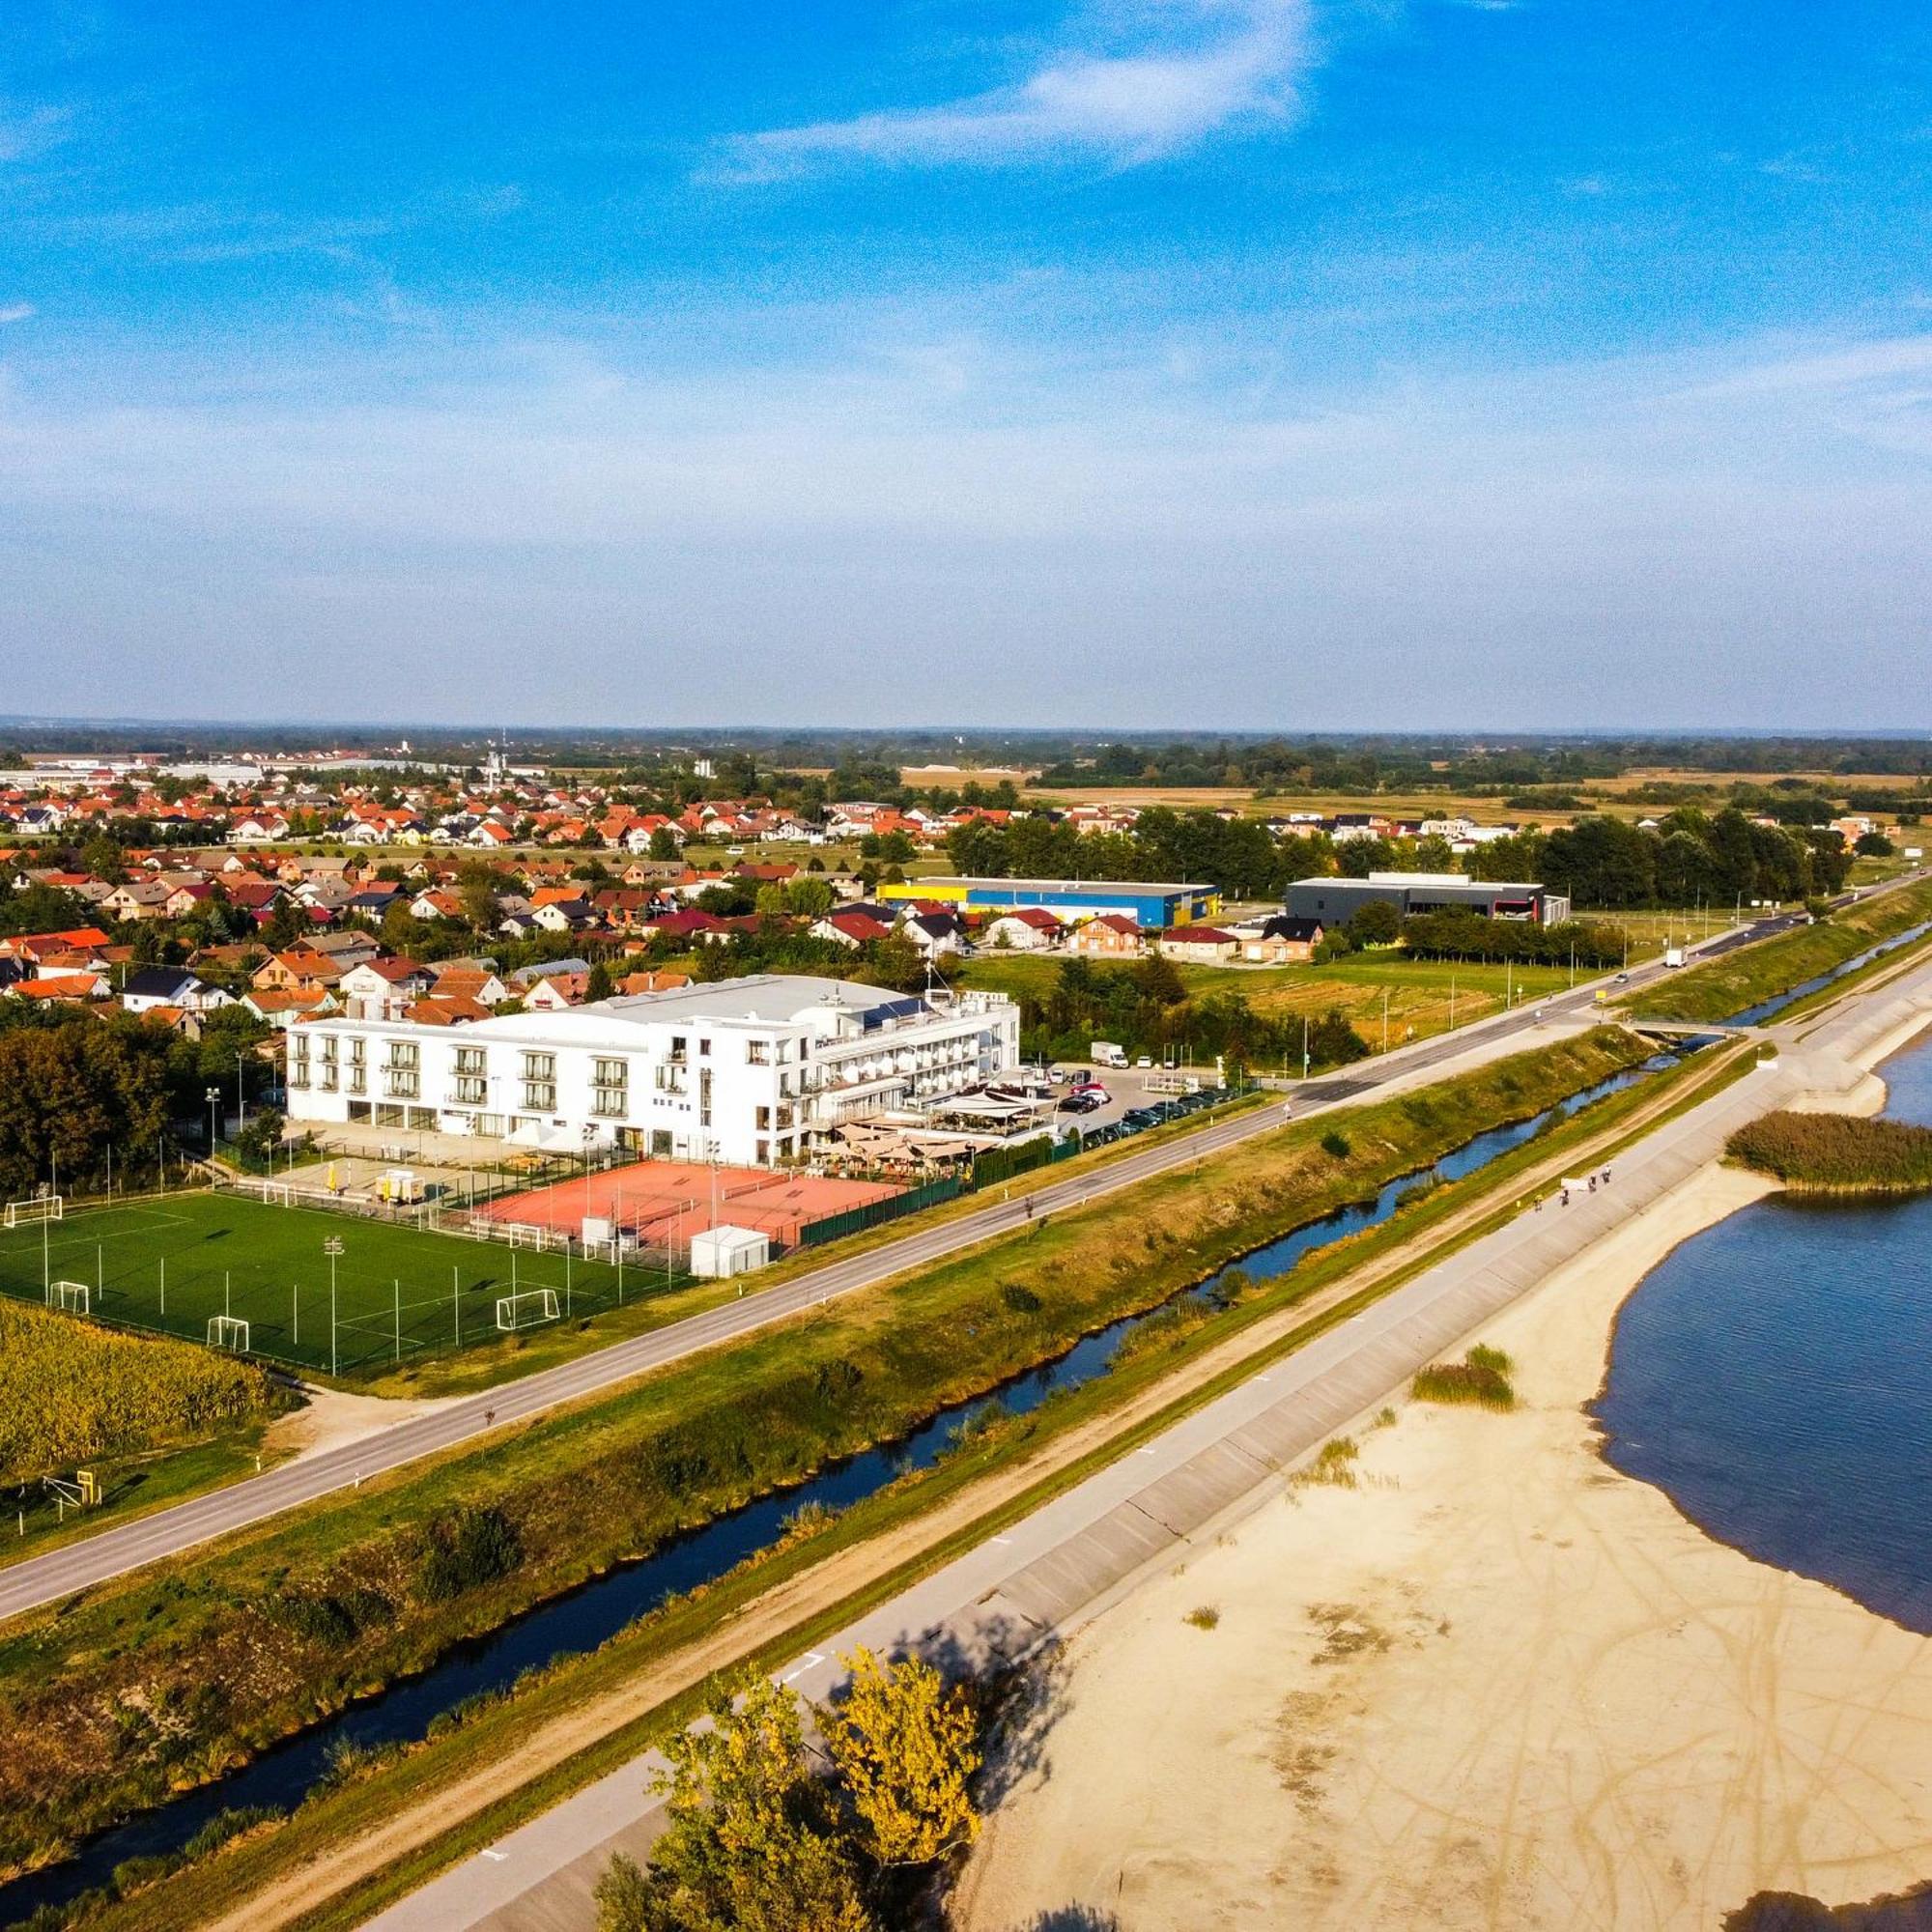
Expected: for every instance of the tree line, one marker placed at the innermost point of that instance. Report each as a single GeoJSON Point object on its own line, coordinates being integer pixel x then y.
{"type": "Point", "coordinates": [1145, 1008]}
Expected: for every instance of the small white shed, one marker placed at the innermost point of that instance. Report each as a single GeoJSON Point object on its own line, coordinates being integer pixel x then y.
{"type": "Point", "coordinates": [719, 1252]}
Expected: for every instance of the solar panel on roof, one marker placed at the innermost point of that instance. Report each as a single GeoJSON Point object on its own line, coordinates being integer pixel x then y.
{"type": "Point", "coordinates": [892, 1009]}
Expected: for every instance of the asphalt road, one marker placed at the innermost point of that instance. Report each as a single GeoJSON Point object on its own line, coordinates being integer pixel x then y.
{"type": "Point", "coordinates": [116, 1551]}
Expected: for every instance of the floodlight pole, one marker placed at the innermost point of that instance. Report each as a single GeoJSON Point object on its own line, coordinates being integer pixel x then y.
{"type": "Point", "coordinates": [333, 1247]}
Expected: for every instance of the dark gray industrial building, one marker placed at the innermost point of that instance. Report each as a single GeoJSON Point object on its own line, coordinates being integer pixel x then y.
{"type": "Point", "coordinates": [1336, 902]}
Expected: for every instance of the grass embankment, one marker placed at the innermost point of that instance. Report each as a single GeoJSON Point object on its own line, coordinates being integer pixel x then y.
{"type": "Point", "coordinates": [1735, 980]}
{"type": "Point", "coordinates": [1837, 1154]}
{"type": "Point", "coordinates": [162, 1682]}
{"type": "Point", "coordinates": [506, 1759]}
{"type": "Point", "coordinates": [71, 1393]}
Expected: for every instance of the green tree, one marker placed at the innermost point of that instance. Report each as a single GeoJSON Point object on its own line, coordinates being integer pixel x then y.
{"type": "Point", "coordinates": [810, 898]}
{"type": "Point", "coordinates": [1333, 1042]}
{"type": "Point", "coordinates": [104, 859]}
{"type": "Point", "coordinates": [1377, 923]}
{"type": "Point", "coordinates": [905, 1750]}
{"type": "Point", "coordinates": [753, 1843]}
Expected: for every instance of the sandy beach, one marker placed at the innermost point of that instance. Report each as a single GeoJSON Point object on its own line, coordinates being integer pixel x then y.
{"type": "Point", "coordinates": [1493, 1684]}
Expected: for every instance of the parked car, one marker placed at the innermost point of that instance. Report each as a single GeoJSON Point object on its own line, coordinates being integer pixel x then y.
{"type": "Point", "coordinates": [1145, 1059]}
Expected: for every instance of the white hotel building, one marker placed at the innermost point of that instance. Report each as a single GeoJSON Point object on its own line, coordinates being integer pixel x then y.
{"type": "Point", "coordinates": [748, 1071]}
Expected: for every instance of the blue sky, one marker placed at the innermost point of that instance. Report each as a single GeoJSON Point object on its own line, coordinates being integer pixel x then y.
{"type": "Point", "coordinates": [1288, 364]}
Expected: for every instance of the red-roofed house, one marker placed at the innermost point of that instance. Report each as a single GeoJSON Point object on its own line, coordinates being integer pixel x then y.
{"type": "Point", "coordinates": [1112, 935]}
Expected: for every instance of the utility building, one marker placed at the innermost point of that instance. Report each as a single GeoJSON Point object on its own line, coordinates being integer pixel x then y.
{"type": "Point", "coordinates": [1154, 908]}
{"type": "Point", "coordinates": [1336, 902]}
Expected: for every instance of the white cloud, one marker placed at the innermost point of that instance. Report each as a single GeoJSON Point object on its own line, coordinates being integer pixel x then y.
{"type": "Point", "coordinates": [25, 133]}
{"type": "Point", "coordinates": [989, 529]}
{"type": "Point", "coordinates": [1190, 68]}
{"type": "Point", "coordinates": [15, 312]}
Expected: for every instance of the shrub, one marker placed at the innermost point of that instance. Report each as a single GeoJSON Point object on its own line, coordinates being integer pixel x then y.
{"type": "Point", "coordinates": [1335, 1142]}
{"type": "Point", "coordinates": [1021, 1300]}
{"type": "Point", "coordinates": [322, 1620]}
{"type": "Point", "coordinates": [1482, 1378]}
{"type": "Point", "coordinates": [464, 1548]}
{"type": "Point", "coordinates": [1334, 1466]}
{"type": "Point", "coordinates": [1204, 1618]}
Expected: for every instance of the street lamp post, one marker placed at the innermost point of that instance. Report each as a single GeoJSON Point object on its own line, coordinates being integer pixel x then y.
{"type": "Point", "coordinates": [241, 1096]}
{"type": "Point", "coordinates": [213, 1104]}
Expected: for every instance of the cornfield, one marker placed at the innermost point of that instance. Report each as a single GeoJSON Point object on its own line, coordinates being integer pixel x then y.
{"type": "Point", "coordinates": [69, 1391]}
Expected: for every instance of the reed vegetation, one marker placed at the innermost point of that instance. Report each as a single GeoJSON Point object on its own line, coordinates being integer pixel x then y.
{"type": "Point", "coordinates": [1837, 1154]}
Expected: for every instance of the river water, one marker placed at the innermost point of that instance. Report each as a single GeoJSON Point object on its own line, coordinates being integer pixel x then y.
{"type": "Point", "coordinates": [588, 1616]}
{"type": "Point", "coordinates": [1773, 1377]}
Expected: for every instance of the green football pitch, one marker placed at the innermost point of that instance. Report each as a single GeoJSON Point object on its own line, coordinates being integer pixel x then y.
{"type": "Point", "coordinates": [172, 1266]}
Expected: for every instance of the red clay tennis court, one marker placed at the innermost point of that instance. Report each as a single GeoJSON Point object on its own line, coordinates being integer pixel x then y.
{"type": "Point", "coordinates": [663, 1201]}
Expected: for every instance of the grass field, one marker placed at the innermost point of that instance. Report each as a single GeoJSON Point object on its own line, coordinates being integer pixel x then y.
{"type": "Point", "coordinates": [171, 1265]}
{"type": "Point", "coordinates": [1425, 996]}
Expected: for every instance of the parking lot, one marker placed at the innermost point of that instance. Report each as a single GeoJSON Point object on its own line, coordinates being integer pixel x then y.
{"type": "Point", "coordinates": [1130, 1098]}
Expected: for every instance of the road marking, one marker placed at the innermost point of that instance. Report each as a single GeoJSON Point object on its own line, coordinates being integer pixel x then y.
{"type": "Point", "coordinates": [813, 1660]}
{"type": "Point", "coordinates": [494, 1857]}
{"type": "Point", "coordinates": [1006, 1541]}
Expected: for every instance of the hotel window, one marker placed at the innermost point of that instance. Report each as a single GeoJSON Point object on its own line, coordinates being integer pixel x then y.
{"type": "Point", "coordinates": [329, 1078]}
{"type": "Point", "coordinates": [758, 1053]}
{"type": "Point", "coordinates": [540, 1082]}
{"type": "Point", "coordinates": [298, 1062]}
{"type": "Point", "coordinates": [402, 1075]}
{"type": "Point", "coordinates": [611, 1087]}
{"type": "Point", "coordinates": [358, 1075]}
{"type": "Point", "coordinates": [472, 1077]}
{"type": "Point", "coordinates": [677, 1052]}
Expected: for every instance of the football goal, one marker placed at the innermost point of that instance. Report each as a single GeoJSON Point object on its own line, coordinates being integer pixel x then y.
{"type": "Point", "coordinates": [533, 1306]}
{"type": "Point", "coordinates": [281, 1193]}
{"type": "Point", "coordinates": [526, 1234]}
{"type": "Point", "coordinates": [76, 1296]}
{"type": "Point", "coordinates": [228, 1331]}
{"type": "Point", "coordinates": [42, 1207]}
